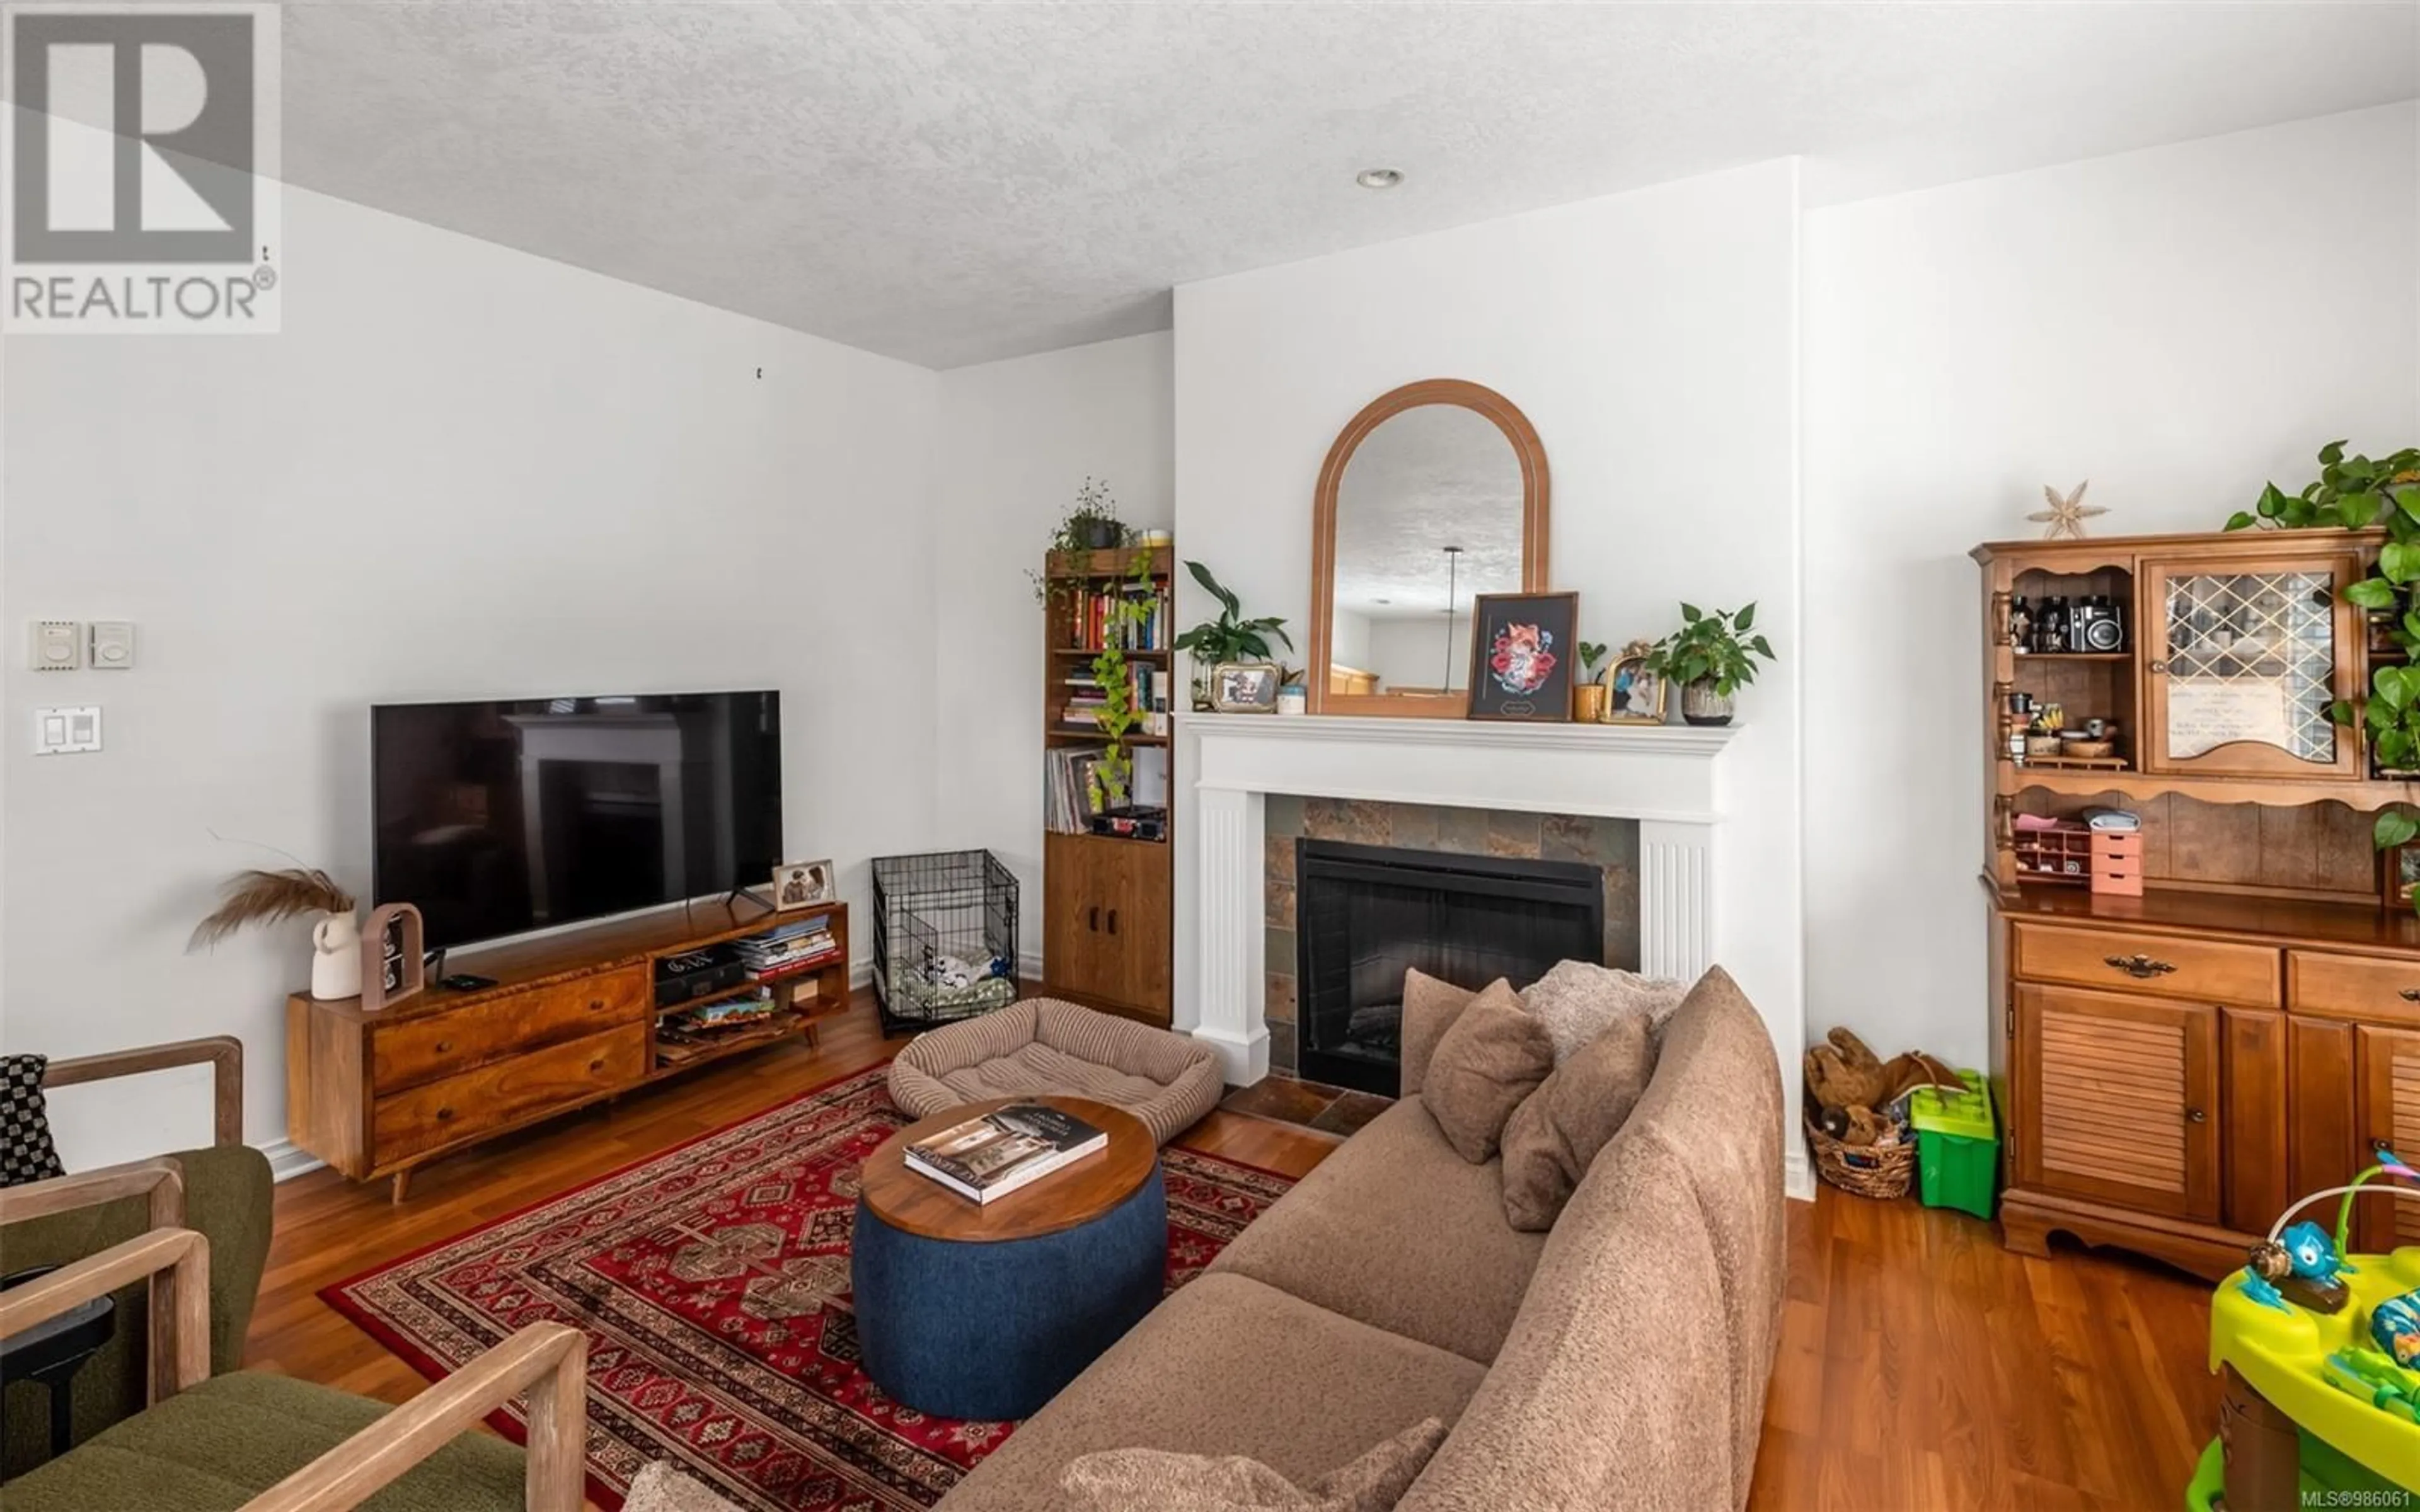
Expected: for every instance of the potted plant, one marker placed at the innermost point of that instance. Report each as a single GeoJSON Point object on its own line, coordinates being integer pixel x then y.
{"type": "Point", "coordinates": [1590, 698]}
{"type": "Point", "coordinates": [1710, 660]}
{"type": "Point", "coordinates": [2356, 493]}
{"type": "Point", "coordinates": [1228, 637]}
{"type": "Point", "coordinates": [1090, 524]}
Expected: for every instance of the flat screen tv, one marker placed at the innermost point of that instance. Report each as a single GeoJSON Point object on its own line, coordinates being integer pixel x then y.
{"type": "Point", "coordinates": [505, 817]}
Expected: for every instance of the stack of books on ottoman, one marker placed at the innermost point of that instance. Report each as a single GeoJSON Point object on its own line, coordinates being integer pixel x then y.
{"type": "Point", "coordinates": [789, 950]}
{"type": "Point", "coordinates": [989, 1157]}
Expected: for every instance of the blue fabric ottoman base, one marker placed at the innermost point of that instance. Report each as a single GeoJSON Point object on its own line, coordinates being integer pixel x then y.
{"type": "Point", "coordinates": [993, 1330]}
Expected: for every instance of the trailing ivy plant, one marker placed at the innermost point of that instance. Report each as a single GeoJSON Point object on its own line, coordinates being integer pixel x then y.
{"type": "Point", "coordinates": [2357, 493]}
{"type": "Point", "coordinates": [1127, 611]}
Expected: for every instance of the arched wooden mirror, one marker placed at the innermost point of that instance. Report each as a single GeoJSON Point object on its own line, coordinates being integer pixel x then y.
{"type": "Point", "coordinates": [1434, 493]}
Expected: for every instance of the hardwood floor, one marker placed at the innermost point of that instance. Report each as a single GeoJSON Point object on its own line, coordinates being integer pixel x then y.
{"type": "Point", "coordinates": [1921, 1365]}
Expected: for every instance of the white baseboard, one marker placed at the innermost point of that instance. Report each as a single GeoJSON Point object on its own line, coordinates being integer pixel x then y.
{"type": "Point", "coordinates": [288, 1160]}
{"type": "Point", "coordinates": [1797, 1176]}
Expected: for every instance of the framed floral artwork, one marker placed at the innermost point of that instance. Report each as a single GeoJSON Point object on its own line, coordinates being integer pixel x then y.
{"type": "Point", "coordinates": [1522, 656]}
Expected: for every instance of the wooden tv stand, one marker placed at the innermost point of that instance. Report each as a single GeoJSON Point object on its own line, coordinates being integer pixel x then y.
{"type": "Point", "coordinates": [571, 1021]}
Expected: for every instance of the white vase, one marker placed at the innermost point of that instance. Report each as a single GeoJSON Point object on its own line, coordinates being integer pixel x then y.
{"type": "Point", "coordinates": [336, 957]}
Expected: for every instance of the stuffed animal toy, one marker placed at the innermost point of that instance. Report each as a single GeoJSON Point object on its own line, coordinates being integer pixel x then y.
{"type": "Point", "coordinates": [1843, 1074]}
{"type": "Point", "coordinates": [1906, 1073]}
{"type": "Point", "coordinates": [1865, 1127]}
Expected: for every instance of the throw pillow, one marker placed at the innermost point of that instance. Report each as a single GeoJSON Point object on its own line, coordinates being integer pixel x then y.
{"type": "Point", "coordinates": [1553, 1139]}
{"type": "Point", "coordinates": [1489, 1060]}
{"type": "Point", "coordinates": [1127, 1480]}
{"type": "Point", "coordinates": [1430, 1007]}
{"type": "Point", "coordinates": [26, 1153]}
{"type": "Point", "coordinates": [1577, 1000]}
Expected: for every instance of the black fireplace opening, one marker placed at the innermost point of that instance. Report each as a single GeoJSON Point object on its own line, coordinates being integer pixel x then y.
{"type": "Point", "coordinates": [1364, 914]}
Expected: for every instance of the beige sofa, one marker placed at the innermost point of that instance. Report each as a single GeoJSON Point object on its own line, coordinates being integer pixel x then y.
{"type": "Point", "coordinates": [1620, 1360]}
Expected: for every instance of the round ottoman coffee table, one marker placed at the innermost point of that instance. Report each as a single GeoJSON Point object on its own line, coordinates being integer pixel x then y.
{"type": "Point", "coordinates": [987, 1311]}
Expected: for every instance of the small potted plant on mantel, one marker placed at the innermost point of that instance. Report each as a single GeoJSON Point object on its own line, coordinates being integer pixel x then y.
{"type": "Point", "coordinates": [1710, 660]}
{"type": "Point", "coordinates": [1590, 698]}
{"type": "Point", "coordinates": [1230, 638]}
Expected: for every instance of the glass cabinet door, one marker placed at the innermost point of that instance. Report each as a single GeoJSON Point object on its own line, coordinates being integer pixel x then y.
{"type": "Point", "coordinates": [2243, 659]}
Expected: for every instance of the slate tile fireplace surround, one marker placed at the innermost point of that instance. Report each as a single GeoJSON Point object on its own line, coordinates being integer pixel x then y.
{"type": "Point", "coordinates": [1356, 890]}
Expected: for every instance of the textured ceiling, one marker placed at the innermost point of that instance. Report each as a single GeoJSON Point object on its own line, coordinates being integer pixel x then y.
{"type": "Point", "coordinates": [1428, 478]}
{"type": "Point", "coordinates": [950, 183]}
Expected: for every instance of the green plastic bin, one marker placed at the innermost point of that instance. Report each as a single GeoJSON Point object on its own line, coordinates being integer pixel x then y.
{"type": "Point", "coordinates": [1957, 1146]}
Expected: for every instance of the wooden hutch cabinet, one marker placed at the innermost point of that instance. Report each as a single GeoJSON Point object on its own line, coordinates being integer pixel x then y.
{"type": "Point", "coordinates": [2174, 1068]}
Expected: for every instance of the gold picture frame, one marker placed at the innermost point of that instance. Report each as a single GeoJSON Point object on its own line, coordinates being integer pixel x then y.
{"type": "Point", "coordinates": [1629, 700]}
{"type": "Point", "coordinates": [1245, 687]}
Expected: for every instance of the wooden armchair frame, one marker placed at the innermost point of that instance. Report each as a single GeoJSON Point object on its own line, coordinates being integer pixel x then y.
{"type": "Point", "coordinates": [223, 1052]}
{"type": "Point", "coordinates": [548, 1361]}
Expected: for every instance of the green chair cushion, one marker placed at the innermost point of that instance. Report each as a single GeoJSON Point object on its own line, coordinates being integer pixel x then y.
{"type": "Point", "coordinates": [213, 1447]}
{"type": "Point", "coordinates": [227, 1197]}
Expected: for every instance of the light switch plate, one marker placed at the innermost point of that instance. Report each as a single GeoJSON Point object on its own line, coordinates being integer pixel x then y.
{"type": "Point", "coordinates": [56, 645]}
{"type": "Point", "coordinates": [67, 732]}
{"type": "Point", "coordinates": [113, 645]}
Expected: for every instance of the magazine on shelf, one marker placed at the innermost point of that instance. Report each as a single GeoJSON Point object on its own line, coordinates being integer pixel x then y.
{"type": "Point", "coordinates": [989, 1157]}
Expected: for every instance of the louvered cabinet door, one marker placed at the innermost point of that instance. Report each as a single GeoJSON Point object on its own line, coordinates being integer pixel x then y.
{"type": "Point", "coordinates": [2389, 1068]}
{"type": "Point", "coordinates": [2117, 1099]}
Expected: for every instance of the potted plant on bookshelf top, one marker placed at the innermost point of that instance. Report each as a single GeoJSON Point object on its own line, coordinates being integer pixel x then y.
{"type": "Point", "coordinates": [1090, 524]}
{"type": "Point", "coordinates": [1710, 660]}
{"type": "Point", "coordinates": [1228, 637]}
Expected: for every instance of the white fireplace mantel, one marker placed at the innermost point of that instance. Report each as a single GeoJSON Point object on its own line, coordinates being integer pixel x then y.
{"type": "Point", "coordinates": [1668, 777]}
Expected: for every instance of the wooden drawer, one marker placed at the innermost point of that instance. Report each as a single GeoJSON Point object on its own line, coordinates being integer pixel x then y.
{"type": "Point", "coordinates": [2381, 988]}
{"type": "Point", "coordinates": [2212, 971]}
{"type": "Point", "coordinates": [445, 1044]}
{"type": "Point", "coordinates": [458, 1107]}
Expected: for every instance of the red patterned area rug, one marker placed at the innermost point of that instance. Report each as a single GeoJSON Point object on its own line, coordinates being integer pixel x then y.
{"type": "Point", "coordinates": [713, 1282]}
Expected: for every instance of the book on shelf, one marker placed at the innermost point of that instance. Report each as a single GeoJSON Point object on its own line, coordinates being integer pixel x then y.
{"type": "Point", "coordinates": [1066, 787]}
{"type": "Point", "coordinates": [790, 949]}
{"type": "Point", "coordinates": [986, 1158]}
{"type": "Point", "coordinates": [1089, 618]}
{"type": "Point", "coordinates": [1147, 689]}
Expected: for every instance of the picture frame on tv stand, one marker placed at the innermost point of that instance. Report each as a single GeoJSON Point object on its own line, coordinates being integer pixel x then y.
{"type": "Point", "coordinates": [392, 960]}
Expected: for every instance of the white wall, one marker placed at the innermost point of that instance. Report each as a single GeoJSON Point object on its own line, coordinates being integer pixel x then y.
{"type": "Point", "coordinates": [2177, 325]}
{"type": "Point", "coordinates": [1348, 642]}
{"type": "Point", "coordinates": [1017, 438]}
{"type": "Point", "coordinates": [459, 471]}
{"type": "Point", "coordinates": [1651, 338]}
{"type": "Point", "coordinates": [1412, 652]}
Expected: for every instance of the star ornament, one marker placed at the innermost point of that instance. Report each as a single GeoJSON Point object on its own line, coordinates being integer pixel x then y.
{"type": "Point", "coordinates": [2066, 515]}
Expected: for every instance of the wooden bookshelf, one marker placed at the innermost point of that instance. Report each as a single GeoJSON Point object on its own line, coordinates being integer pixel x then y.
{"type": "Point", "coordinates": [1108, 901]}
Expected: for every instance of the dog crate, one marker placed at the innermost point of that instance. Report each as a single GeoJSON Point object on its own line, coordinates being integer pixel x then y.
{"type": "Point", "coordinates": [930, 911]}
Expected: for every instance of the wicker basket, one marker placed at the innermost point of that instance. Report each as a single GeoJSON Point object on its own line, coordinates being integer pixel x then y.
{"type": "Point", "coordinates": [1883, 1171]}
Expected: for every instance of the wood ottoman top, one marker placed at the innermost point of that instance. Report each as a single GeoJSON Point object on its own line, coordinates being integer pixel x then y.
{"type": "Point", "coordinates": [1073, 1195]}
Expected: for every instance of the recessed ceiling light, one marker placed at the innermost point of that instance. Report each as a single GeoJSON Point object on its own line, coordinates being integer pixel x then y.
{"type": "Point", "coordinates": [1378, 177]}
{"type": "Point", "coordinates": [1382, 601]}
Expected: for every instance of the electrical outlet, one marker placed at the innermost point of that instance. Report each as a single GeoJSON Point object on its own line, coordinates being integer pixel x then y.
{"type": "Point", "coordinates": [67, 732]}
{"type": "Point", "coordinates": [56, 646]}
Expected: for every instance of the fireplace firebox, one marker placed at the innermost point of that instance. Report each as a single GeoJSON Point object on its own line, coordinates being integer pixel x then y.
{"type": "Point", "coordinates": [1366, 914]}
